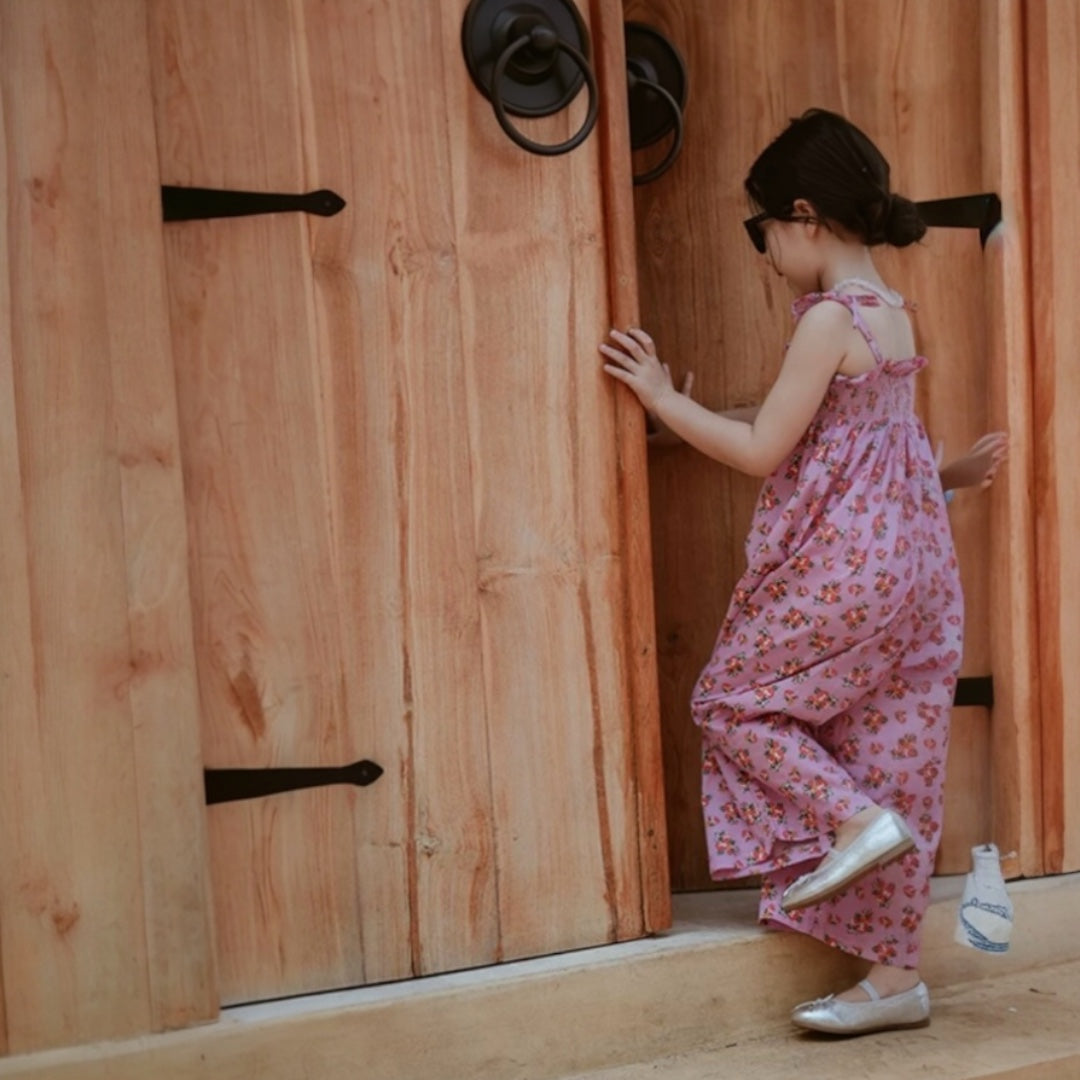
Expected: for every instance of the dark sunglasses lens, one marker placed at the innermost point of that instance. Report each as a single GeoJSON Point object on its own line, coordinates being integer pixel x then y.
{"type": "Point", "coordinates": [756, 234]}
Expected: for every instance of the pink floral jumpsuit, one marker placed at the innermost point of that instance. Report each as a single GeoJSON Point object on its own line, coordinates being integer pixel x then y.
{"type": "Point", "coordinates": [831, 682]}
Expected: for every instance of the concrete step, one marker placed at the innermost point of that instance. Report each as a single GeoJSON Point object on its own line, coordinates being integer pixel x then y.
{"type": "Point", "coordinates": [1022, 1026]}
{"type": "Point", "coordinates": [715, 982]}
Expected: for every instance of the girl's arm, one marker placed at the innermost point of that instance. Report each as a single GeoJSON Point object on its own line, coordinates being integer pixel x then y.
{"type": "Point", "coordinates": [746, 413]}
{"type": "Point", "coordinates": [757, 445]}
{"type": "Point", "coordinates": [659, 434]}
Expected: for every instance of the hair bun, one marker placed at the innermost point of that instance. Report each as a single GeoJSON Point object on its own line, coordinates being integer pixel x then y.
{"type": "Point", "coordinates": [902, 224]}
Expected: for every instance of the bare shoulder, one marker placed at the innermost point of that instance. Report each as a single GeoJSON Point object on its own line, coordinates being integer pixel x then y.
{"type": "Point", "coordinates": [823, 327]}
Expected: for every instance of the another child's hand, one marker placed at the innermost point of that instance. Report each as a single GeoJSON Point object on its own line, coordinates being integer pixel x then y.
{"type": "Point", "coordinates": [978, 467]}
{"type": "Point", "coordinates": [634, 362]}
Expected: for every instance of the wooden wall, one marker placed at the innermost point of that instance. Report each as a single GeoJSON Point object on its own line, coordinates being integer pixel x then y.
{"type": "Point", "coordinates": [716, 309]}
{"type": "Point", "coordinates": [295, 491]}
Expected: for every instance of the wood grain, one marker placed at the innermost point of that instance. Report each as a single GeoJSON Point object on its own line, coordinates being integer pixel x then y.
{"type": "Point", "coordinates": [274, 677]}
{"type": "Point", "coordinates": [617, 172]}
{"type": "Point", "coordinates": [719, 311]}
{"type": "Point", "coordinates": [534, 302]}
{"type": "Point", "coordinates": [1016, 730]}
{"type": "Point", "coordinates": [402, 480]}
{"type": "Point", "coordinates": [103, 879]}
{"type": "Point", "coordinates": [403, 498]}
{"type": "Point", "coordinates": [1053, 36]}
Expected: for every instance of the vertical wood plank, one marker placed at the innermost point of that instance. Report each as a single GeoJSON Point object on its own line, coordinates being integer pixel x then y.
{"type": "Point", "coordinates": [404, 489]}
{"type": "Point", "coordinates": [534, 306]}
{"type": "Point", "coordinates": [1053, 36]}
{"type": "Point", "coordinates": [1015, 739]}
{"type": "Point", "coordinates": [102, 884]}
{"type": "Point", "coordinates": [273, 677]}
{"type": "Point", "coordinates": [648, 766]}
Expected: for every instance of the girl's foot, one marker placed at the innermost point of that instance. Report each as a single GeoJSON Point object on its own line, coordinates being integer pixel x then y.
{"type": "Point", "coordinates": [839, 1016]}
{"type": "Point", "coordinates": [847, 830]}
{"type": "Point", "coordinates": [873, 838]}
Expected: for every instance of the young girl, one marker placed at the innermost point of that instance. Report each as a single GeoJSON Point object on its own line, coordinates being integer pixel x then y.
{"type": "Point", "coordinates": [824, 709]}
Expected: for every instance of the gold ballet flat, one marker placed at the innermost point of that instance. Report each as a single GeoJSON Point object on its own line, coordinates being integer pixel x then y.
{"type": "Point", "coordinates": [887, 837]}
{"type": "Point", "coordinates": [906, 1010]}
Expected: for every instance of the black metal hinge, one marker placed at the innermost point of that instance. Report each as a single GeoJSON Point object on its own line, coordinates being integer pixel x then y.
{"type": "Point", "coordinates": [975, 691]}
{"type": "Point", "coordinates": [227, 785]}
{"type": "Point", "coordinates": [196, 203]}
{"type": "Point", "coordinates": [982, 212]}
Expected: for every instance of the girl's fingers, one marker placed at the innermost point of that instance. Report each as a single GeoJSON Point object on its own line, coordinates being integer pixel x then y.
{"type": "Point", "coordinates": [641, 337]}
{"type": "Point", "coordinates": [631, 344]}
{"type": "Point", "coordinates": [617, 355]}
{"type": "Point", "coordinates": [688, 383]}
{"type": "Point", "coordinates": [617, 372]}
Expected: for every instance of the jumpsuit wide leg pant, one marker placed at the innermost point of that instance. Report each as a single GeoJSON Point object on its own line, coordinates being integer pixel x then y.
{"type": "Point", "coordinates": [776, 787]}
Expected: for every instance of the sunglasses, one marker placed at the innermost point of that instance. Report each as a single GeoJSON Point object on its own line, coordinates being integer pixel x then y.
{"type": "Point", "coordinates": [757, 233]}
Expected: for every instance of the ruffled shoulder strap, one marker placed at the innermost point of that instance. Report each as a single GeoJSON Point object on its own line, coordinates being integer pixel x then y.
{"type": "Point", "coordinates": [852, 301]}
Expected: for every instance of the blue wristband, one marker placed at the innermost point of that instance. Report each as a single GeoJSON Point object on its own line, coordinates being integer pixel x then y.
{"type": "Point", "coordinates": [949, 496]}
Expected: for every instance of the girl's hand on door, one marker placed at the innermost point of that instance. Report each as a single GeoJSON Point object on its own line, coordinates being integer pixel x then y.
{"type": "Point", "coordinates": [633, 361]}
{"type": "Point", "coordinates": [979, 466]}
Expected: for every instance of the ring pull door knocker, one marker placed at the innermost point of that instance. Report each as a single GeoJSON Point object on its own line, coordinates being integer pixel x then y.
{"type": "Point", "coordinates": [530, 58]}
{"type": "Point", "coordinates": [656, 85]}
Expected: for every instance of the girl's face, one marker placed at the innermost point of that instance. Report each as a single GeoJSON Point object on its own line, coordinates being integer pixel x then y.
{"type": "Point", "coordinates": [794, 250]}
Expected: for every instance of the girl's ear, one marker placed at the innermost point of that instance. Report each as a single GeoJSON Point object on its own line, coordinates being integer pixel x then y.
{"type": "Point", "coordinates": [803, 208]}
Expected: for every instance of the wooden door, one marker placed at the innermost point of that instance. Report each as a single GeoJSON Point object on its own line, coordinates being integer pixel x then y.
{"type": "Point", "coordinates": [402, 469]}
{"type": "Point", "coordinates": [716, 308]}
{"type": "Point", "coordinates": [297, 491]}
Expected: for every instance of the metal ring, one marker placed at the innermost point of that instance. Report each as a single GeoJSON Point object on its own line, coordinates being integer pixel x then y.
{"type": "Point", "coordinates": [547, 149]}
{"type": "Point", "coordinates": [676, 145]}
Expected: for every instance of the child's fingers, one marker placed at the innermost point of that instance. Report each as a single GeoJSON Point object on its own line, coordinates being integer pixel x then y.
{"type": "Point", "coordinates": [631, 345]}
{"type": "Point", "coordinates": [642, 338]}
{"type": "Point", "coordinates": [688, 383]}
{"type": "Point", "coordinates": [617, 355]}
{"type": "Point", "coordinates": [618, 373]}
{"type": "Point", "coordinates": [994, 440]}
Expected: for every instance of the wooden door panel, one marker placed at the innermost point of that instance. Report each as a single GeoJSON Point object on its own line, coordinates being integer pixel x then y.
{"type": "Point", "coordinates": [534, 296]}
{"type": "Point", "coordinates": [1015, 770]}
{"type": "Point", "coordinates": [387, 295]}
{"type": "Point", "coordinates": [402, 469]}
{"type": "Point", "coordinates": [102, 880]}
{"type": "Point", "coordinates": [1053, 35]}
{"type": "Point", "coordinates": [269, 558]}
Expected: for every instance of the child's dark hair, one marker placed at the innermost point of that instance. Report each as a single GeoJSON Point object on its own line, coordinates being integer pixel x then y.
{"type": "Point", "coordinates": [824, 158]}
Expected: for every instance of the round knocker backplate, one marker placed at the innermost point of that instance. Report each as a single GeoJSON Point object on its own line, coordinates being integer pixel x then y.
{"type": "Point", "coordinates": [652, 59]}
{"type": "Point", "coordinates": [535, 82]}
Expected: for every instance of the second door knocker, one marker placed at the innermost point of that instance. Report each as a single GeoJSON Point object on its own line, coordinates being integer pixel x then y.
{"type": "Point", "coordinates": [656, 85]}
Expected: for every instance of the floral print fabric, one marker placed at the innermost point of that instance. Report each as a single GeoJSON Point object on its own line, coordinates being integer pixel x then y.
{"type": "Point", "coordinates": [831, 682]}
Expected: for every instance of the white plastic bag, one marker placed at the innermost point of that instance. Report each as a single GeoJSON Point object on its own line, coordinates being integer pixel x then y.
{"type": "Point", "coordinates": [985, 918]}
